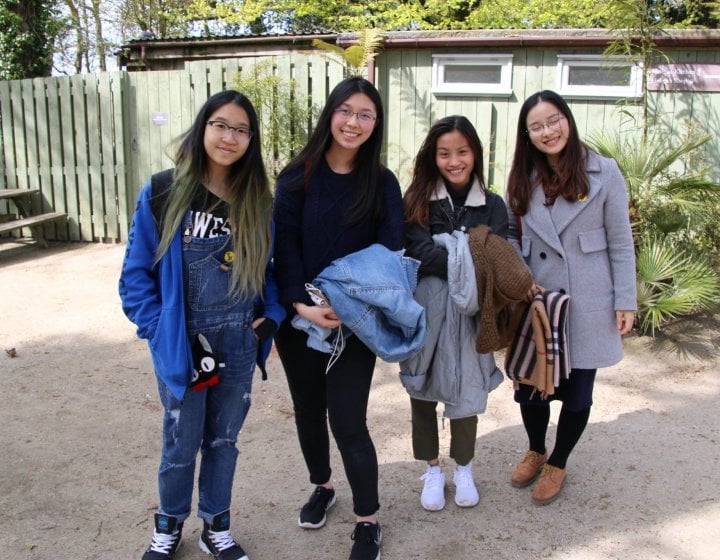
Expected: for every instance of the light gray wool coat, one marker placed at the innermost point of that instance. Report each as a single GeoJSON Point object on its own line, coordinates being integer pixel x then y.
{"type": "Point", "coordinates": [584, 249]}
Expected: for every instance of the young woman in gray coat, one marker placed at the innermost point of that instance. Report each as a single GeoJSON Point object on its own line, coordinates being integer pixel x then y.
{"type": "Point", "coordinates": [568, 216]}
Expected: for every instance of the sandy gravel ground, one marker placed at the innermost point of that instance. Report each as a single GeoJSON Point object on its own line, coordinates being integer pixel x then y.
{"type": "Point", "coordinates": [80, 434]}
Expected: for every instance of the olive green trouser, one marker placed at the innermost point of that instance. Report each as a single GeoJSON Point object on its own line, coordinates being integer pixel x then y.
{"type": "Point", "coordinates": [425, 440]}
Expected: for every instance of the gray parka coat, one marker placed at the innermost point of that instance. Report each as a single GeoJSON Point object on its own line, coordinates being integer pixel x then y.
{"type": "Point", "coordinates": [448, 369]}
{"type": "Point", "coordinates": [584, 249]}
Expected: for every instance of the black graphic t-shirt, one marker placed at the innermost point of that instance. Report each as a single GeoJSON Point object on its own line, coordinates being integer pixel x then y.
{"type": "Point", "coordinates": [208, 217]}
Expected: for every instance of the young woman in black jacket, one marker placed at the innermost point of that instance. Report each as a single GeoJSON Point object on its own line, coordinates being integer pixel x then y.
{"type": "Point", "coordinates": [447, 193]}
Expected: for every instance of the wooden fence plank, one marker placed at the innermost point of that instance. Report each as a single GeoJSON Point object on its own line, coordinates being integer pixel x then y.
{"type": "Point", "coordinates": [388, 84]}
{"type": "Point", "coordinates": [44, 173]}
{"type": "Point", "coordinates": [318, 83]}
{"type": "Point", "coordinates": [68, 159]}
{"type": "Point", "coordinates": [94, 144]}
{"type": "Point", "coordinates": [230, 69]}
{"type": "Point", "coordinates": [161, 137]}
{"type": "Point", "coordinates": [18, 135]}
{"type": "Point", "coordinates": [82, 172]}
{"type": "Point", "coordinates": [119, 87]}
{"type": "Point", "coordinates": [29, 132]}
{"type": "Point", "coordinates": [106, 156]}
{"type": "Point", "coordinates": [55, 152]}
{"type": "Point", "coordinates": [301, 78]}
{"type": "Point", "coordinates": [131, 107]}
{"type": "Point", "coordinates": [185, 109]}
{"type": "Point", "coordinates": [142, 151]}
{"type": "Point", "coordinates": [406, 138]}
{"type": "Point", "coordinates": [215, 77]}
{"type": "Point", "coordinates": [8, 154]}
{"type": "Point", "coordinates": [2, 160]}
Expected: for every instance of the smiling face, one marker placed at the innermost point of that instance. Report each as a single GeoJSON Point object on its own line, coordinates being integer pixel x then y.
{"type": "Point", "coordinates": [348, 130]}
{"type": "Point", "coordinates": [548, 129]}
{"type": "Point", "coordinates": [454, 159]}
{"type": "Point", "coordinates": [225, 147]}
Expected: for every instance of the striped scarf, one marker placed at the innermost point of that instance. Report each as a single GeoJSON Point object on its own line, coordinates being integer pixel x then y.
{"type": "Point", "coordinates": [539, 353]}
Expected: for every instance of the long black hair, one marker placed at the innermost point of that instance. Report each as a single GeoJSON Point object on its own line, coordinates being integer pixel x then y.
{"type": "Point", "coordinates": [367, 166]}
{"type": "Point", "coordinates": [426, 172]}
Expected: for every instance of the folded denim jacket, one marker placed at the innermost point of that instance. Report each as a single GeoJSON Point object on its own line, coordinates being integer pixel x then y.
{"type": "Point", "coordinates": [371, 292]}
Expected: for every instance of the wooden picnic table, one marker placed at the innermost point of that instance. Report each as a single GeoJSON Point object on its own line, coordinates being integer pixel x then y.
{"type": "Point", "coordinates": [22, 199]}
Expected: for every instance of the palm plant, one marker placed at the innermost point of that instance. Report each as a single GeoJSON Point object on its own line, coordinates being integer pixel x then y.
{"type": "Point", "coordinates": [663, 194]}
{"type": "Point", "coordinates": [668, 206]}
{"type": "Point", "coordinates": [355, 57]}
{"type": "Point", "coordinates": [671, 283]}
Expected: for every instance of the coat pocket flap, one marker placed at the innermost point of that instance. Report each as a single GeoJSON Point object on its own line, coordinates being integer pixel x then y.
{"type": "Point", "coordinates": [594, 240]}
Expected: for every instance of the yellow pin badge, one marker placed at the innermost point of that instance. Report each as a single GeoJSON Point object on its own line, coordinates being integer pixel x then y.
{"type": "Point", "coordinates": [228, 258]}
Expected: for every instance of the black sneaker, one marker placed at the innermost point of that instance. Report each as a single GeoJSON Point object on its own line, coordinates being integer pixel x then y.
{"type": "Point", "coordinates": [166, 538]}
{"type": "Point", "coordinates": [312, 514]}
{"type": "Point", "coordinates": [217, 540]}
{"type": "Point", "coordinates": [367, 537]}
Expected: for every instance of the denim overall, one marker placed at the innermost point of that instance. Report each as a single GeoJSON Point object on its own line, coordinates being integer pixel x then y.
{"type": "Point", "coordinates": [208, 420]}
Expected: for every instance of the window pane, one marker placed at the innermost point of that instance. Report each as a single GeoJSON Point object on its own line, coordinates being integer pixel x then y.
{"type": "Point", "coordinates": [602, 76]}
{"type": "Point", "coordinates": [473, 73]}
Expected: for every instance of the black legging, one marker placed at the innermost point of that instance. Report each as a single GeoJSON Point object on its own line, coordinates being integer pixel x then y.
{"type": "Point", "coordinates": [571, 425]}
{"type": "Point", "coordinates": [341, 396]}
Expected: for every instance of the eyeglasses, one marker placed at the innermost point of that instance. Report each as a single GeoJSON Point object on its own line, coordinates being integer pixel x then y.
{"type": "Point", "coordinates": [552, 123]}
{"type": "Point", "coordinates": [348, 114]}
{"type": "Point", "coordinates": [240, 133]}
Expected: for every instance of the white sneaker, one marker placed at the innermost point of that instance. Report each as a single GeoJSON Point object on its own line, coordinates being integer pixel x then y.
{"type": "Point", "coordinates": [466, 495]}
{"type": "Point", "coordinates": [433, 493]}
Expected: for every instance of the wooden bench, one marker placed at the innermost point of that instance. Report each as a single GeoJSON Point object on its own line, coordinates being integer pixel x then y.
{"type": "Point", "coordinates": [21, 199]}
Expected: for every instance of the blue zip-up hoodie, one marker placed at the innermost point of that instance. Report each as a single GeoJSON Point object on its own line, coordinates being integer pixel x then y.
{"type": "Point", "coordinates": [153, 297]}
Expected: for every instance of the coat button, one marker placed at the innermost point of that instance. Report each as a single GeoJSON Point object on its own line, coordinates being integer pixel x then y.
{"type": "Point", "coordinates": [543, 256]}
{"type": "Point", "coordinates": [562, 291]}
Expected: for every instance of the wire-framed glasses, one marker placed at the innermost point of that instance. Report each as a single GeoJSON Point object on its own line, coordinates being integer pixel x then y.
{"type": "Point", "coordinates": [242, 133]}
{"type": "Point", "coordinates": [348, 114]}
{"type": "Point", "coordinates": [552, 123]}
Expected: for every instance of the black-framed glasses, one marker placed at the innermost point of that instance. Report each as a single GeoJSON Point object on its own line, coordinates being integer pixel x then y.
{"type": "Point", "coordinates": [552, 123]}
{"type": "Point", "coordinates": [238, 132]}
{"type": "Point", "coordinates": [348, 114]}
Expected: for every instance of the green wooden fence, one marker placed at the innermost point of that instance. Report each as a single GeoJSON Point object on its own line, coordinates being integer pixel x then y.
{"type": "Point", "coordinates": [89, 142]}
{"type": "Point", "coordinates": [65, 137]}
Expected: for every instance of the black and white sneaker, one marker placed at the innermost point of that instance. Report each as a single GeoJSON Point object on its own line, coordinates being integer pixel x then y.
{"type": "Point", "coordinates": [217, 540]}
{"type": "Point", "coordinates": [166, 538]}
{"type": "Point", "coordinates": [312, 514]}
{"type": "Point", "coordinates": [367, 537]}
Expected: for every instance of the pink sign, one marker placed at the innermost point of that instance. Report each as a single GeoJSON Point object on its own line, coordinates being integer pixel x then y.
{"type": "Point", "coordinates": [684, 77]}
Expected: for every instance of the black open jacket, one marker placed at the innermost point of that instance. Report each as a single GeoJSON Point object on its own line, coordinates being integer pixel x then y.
{"type": "Point", "coordinates": [444, 219]}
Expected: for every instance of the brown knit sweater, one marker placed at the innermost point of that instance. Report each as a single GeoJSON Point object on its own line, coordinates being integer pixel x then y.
{"type": "Point", "coordinates": [503, 280]}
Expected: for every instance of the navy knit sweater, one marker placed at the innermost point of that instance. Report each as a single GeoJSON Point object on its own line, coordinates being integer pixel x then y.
{"type": "Point", "coordinates": [310, 228]}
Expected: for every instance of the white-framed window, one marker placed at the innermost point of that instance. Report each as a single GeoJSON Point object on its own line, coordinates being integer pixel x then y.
{"type": "Point", "coordinates": [472, 74]}
{"type": "Point", "coordinates": [583, 75]}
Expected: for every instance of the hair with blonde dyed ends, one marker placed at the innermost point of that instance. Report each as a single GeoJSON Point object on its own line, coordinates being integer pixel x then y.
{"type": "Point", "coordinates": [249, 197]}
{"type": "Point", "coordinates": [426, 172]}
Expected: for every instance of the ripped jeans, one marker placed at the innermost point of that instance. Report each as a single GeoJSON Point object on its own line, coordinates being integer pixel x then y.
{"type": "Point", "coordinates": [208, 421]}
